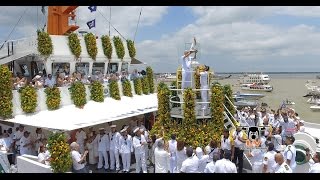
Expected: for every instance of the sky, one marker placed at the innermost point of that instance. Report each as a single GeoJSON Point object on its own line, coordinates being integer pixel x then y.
{"type": "Point", "coordinates": [231, 38]}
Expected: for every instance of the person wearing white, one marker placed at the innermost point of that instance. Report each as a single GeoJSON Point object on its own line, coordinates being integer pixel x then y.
{"type": "Point", "coordinates": [126, 149]}
{"type": "Point", "coordinates": [290, 153]}
{"type": "Point", "coordinates": [191, 164]}
{"type": "Point", "coordinates": [6, 142]}
{"type": "Point", "coordinates": [282, 166]}
{"type": "Point", "coordinates": [114, 148]}
{"type": "Point", "coordinates": [239, 141]}
{"type": "Point", "coordinates": [204, 85]}
{"type": "Point", "coordinates": [210, 167]}
{"type": "Point", "coordinates": [78, 160]}
{"type": "Point", "coordinates": [256, 158]}
{"type": "Point", "coordinates": [49, 82]}
{"type": "Point", "coordinates": [224, 165]}
{"type": "Point", "coordinates": [314, 162]}
{"type": "Point", "coordinates": [145, 133]}
{"type": "Point", "coordinates": [90, 147]}
{"type": "Point", "coordinates": [227, 143]}
{"type": "Point", "coordinates": [161, 158]}
{"type": "Point", "coordinates": [81, 136]}
{"type": "Point", "coordinates": [277, 140]}
{"type": "Point", "coordinates": [26, 144]}
{"type": "Point", "coordinates": [181, 155]}
{"type": "Point", "coordinates": [39, 136]}
{"type": "Point", "coordinates": [17, 136]}
{"type": "Point", "coordinates": [186, 69]}
{"type": "Point", "coordinates": [42, 156]}
{"type": "Point", "coordinates": [138, 142]}
{"type": "Point", "coordinates": [103, 140]}
{"type": "Point", "coordinates": [302, 128]}
{"type": "Point", "coordinates": [269, 162]}
{"type": "Point", "coordinates": [288, 126]}
{"type": "Point", "coordinates": [173, 153]}
{"type": "Point", "coordinates": [203, 159]}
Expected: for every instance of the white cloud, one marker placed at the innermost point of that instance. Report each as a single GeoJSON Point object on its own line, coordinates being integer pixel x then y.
{"type": "Point", "coordinates": [304, 11]}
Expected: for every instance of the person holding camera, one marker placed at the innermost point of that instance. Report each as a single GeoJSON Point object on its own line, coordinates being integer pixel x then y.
{"type": "Point", "coordinates": [78, 160]}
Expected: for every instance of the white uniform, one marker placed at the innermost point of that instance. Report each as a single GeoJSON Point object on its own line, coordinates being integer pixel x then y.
{"type": "Point", "coordinates": [314, 167]}
{"type": "Point", "coordinates": [139, 153]}
{"type": "Point", "coordinates": [81, 136]}
{"type": "Point", "coordinates": [114, 150]}
{"type": "Point", "coordinates": [290, 154]}
{"type": "Point", "coordinates": [17, 136]}
{"type": "Point", "coordinates": [146, 147]}
{"type": "Point", "coordinates": [210, 167]}
{"type": "Point", "coordinates": [161, 160]}
{"type": "Point", "coordinates": [43, 157]}
{"type": "Point", "coordinates": [38, 138]}
{"type": "Point", "coordinates": [277, 141]}
{"type": "Point", "coordinates": [284, 168]}
{"type": "Point", "coordinates": [76, 157]}
{"type": "Point", "coordinates": [125, 149]}
{"type": "Point", "coordinates": [186, 74]}
{"type": "Point", "coordinates": [27, 149]}
{"type": "Point", "coordinates": [203, 163]}
{"type": "Point", "coordinates": [268, 159]}
{"type": "Point", "coordinates": [225, 166]}
{"type": "Point", "coordinates": [257, 160]}
{"type": "Point", "coordinates": [102, 150]}
{"type": "Point", "coordinates": [92, 158]}
{"type": "Point", "coordinates": [181, 156]}
{"type": "Point", "coordinates": [190, 165]}
{"type": "Point", "coordinates": [204, 85]}
{"type": "Point", "coordinates": [173, 155]}
{"type": "Point", "coordinates": [226, 143]}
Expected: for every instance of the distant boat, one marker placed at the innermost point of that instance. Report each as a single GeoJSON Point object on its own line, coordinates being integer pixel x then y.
{"type": "Point", "coordinates": [254, 78]}
{"type": "Point", "coordinates": [219, 77]}
{"type": "Point", "coordinates": [257, 87]}
{"type": "Point", "coordinates": [245, 103]}
{"type": "Point", "coordinates": [288, 102]}
{"type": "Point", "coordinates": [315, 107]}
{"type": "Point", "coordinates": [249, 95]}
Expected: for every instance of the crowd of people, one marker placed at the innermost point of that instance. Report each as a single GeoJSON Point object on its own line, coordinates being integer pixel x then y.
{"type": "Point", "coordinates": [63, 79]}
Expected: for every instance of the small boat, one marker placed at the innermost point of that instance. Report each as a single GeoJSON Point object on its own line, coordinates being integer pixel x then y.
{"type": "Point", "coordinates": [254, 78]}
{"type": "Point", "coordinates": [315, 107]}
{"type": "Point", "coordinates": [288, 102]}
{"type": "Point", "coordinates": [249, 95]}
{"type": "Point", "coordinates": [245, 103]}
{"type": "Point", "coordinates": [257, 87]}
{"type": "Point", "coordinates": [313, 100]}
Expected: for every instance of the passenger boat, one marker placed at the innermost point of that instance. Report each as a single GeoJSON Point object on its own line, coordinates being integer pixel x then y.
{"type": "Point", "coordinates": [254, 78]}
{"type": "Point", "coordinates": [257, 87]}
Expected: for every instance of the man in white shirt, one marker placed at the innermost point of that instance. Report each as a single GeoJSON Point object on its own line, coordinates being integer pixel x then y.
{"type": "Point", "coordinates": [191, 164]}
{"type": "Point", "coordinates": [103, 140]}
{"type": "Point", "coordinates": [288, 126]}
{"type": "Point", "coordinates": [81, 136]}
{"type": "Point", "coordinates": [269, 159]}
{"type": "Point", "coordinates": [173, 153]}
{"type": "Point", "coordinates": [290, 153]}
{"type": "Point", "coordinates": [186, 69]}
{"type": "Point", "coordinates": [210, 167]}
{"type": "Point", "coordinates": [26, 144]}
{"type": "Point", "coordinates": [282, 166]}
{"type": "Point", "coordinates": [126, 149]}
{"type": "Point", "coordinates": [6, 144]}
{"type": "Point", "coordinates": [314, 161]}
{"type": "Point", "coordinates": [224, 165]}
{"type": "Point", "coordinates": [49, 82]}
{"type": "Point", "coordinates": [202, 159]}
{"type": "Point", "coordinates": [138, 143]}
{"type": "Point", "coordinates": [17, 136]}
{"type": "Point", "coordinates": [256, 156]}
{"type": "Point", "coordinates": [238, 147]}
{"type": "Point", "coordinates": [78, 160]}
{"type": "Point", "coordinates": [161, 158]}
{"type": "Point", "coordinates": [204, 76]}
{"type": "Point", "coordinates": [114, 148]}
{"type": "Point", "coordinates": [227, 143]}
{"type": "Point", "coordinates": [277, 140]}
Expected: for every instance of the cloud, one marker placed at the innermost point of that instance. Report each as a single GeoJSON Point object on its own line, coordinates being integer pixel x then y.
{"type": "Point", "coordinates": [301, 11]}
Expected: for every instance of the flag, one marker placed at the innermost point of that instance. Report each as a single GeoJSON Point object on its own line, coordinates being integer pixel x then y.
{"type": "Point", "coordinates": [92, 8]}
{"type": "Point", "coordinates": [43, 10]}
{"type": "Point", "coordinates": [283, 105]}
{"type": "Point", "coordinates": [91, 24]}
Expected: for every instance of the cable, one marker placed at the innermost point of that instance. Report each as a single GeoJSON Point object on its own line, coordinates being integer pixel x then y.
{"type": "Point", "coordinates": [14, 27]}
{"type": "Point", "coordinates": [111, 25]}
{"type": "Point", "coordinates": [134, 38]}
{"type": "Point", "coordinates": [110, 21]}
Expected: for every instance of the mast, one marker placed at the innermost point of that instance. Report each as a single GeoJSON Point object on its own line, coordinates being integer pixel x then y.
{"type": "Point", "coordinates": [58, 19]}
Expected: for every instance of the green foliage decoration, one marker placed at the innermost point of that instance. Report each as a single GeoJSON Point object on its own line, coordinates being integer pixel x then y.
{"type": "Point", "coordinates": [119, 47]}
{"type": "Point", "coordinates": [91, 45]}
{"type": "Point", "coordinates": [96, 91]}
{"type": "Point", "coordinates": [126, 88]}
{"type": "Point", "coordinates": [6, 94]}
{"type": "Point", "coordinates": [145, 85]}
{"type": "Point", "coordinates": [78, 94]}
{"type": "Point", "coordinates": [217, 109]}
{"type": "Point", "coordinates": [114, 90]}
{"type": "Point", "coordinates": [150, 76]}
{"type": "Point", "coordinates": [74, 44]}
{"type": "Point", "coordinates": [45, 46]}
{"type": "Point", "coordinates": [107, 47]}
{"type": "Point", "coordinates": [137, 86]}
{"type": "Point", "coordinates": [28, 98]}
{"type": "Point", "coordinates": [131, 48]}
{"type": "Point", "coordinates": [53, 99]}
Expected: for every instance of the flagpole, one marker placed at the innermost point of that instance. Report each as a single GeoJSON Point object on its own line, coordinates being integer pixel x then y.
{"type": "Point", "coordinates": [109, 21]}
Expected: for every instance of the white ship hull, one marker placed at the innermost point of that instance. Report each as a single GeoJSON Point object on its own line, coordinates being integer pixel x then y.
{"type": "Point", "coordinates": [253, 87]}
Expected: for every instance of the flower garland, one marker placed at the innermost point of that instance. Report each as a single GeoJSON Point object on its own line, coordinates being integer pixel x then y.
{"type": "Point", "coordinates": [91, 45]}
{"type": "Point", "coordinates": [197, 82]}
{"type": "Point", "coordinates": [28, 97]}
{"type": "Point", "coordinates": [78, 94]}
{"type": "Point", "coordinates": [145, 85]}
{"type": "Point", "coordinates": [107, 47]}
{"type": "Point", "coordinates": [5, 92]}
{"type": "Point", "coordinates": [137, 86]}
{"type": "Point", "coordinates": [114, 90]}
{"type": "Point", "coordinates": [45, 46]}
{"type": "Point", "coordinates": [179, 77]}
{"type": "Point", "coordinates": [150, 76]}
{"type": "Point", "coordinates": [131, 48]}
{"type": "Point", "coordinates": [163, 103]}
{"type": "Point", "coordinates": [74, 44]}
{"type": "Point", "coordinates": [53, 98]}
{"type": "Point", "coordinates": [217, 109]}
{"type": "Point", "coordinates": [189, 106]}
{"type": "Point", "coordinates": [126, 88]}
{"type": "Point", "coordinates": [61, 160]}
{"type": "Point", "coordinates": [119, 47]}
{"type": "Point", "coordinates": [96, 91]}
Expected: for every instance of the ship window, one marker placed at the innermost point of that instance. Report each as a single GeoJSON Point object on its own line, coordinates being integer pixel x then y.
{"type": "Point", "coordinates": [113, 67]}
{"type": "Point", "coordinates": [61, 68]}
{"type": "Point", "coordinates": [98, 67]}
{"type": "Point", "coordinates": [124, 67]}
{"type": "Point", "coordinates": [82, 68]}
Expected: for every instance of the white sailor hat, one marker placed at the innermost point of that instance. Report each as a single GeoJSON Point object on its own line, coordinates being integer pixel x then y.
{"type": "Point", "coordinates": [136, 130]}
{"type": "Point", "coordinates": [141, 129]}
{"type": "Point", "coordinates": [301, 121]}
{"type": "Point", "coordinates": [123, 130]}
{"type": "Point", "coordinates": [113, 126]}
{"type": "Point", "coordinates": [101, 129]}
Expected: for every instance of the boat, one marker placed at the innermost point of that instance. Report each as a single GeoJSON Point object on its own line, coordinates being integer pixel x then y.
{"type": "Point", "coordinates": [288, 102]}
{"type": "Point", "coordinates": [245, 103]}
{"type": "Point", "coordinates": [315, 107]}
{"type": "Point", "coordinates": [257, 87]}
{"type": "Point", "coordinates": [313, 100]}
{"type": "Point", "coordinates": [249, 95]}
{"type": "Point", "coordinates": [254, 78]}
{"type": "Point", "coordinates": [220, 77]}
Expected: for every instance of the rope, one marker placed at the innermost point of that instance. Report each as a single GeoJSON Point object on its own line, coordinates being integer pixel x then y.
{"type": "Point", "coordinates": [111, 25]}
{"type": "Point", "coordinates": [109, 21]}
{"type": "Point", "coordinates": [134, 38]}
{"type": "Point", "coordinates": [14, 27]}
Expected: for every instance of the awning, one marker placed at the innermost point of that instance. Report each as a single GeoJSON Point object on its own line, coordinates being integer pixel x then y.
{"type": "Point", "coordinates": [70, 118]}
{"type": "Point", "coordinates": [136, 61]}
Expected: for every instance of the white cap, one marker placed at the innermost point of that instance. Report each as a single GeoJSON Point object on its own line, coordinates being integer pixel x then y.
{"type": "Point", "coordinates": [141, 129]}
{"type": "Point", "coordinates": [136, 130]}
{"type": "Point", "coordinates": [123, 130]}
{"type": "Point", "coordinates": [302, 121]}
{"type": "Point", "coordinates": [101, 129]}
{"type": "Point", "coordinates": [113, 126]}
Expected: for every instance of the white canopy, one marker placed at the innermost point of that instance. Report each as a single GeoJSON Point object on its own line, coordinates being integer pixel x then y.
{"type": "Point", "coordinates": [70, 118]}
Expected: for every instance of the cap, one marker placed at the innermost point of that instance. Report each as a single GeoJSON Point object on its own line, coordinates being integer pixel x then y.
{"type": "Point", "coordinates": [37, 77]}
{"type": "Point", "coordinates": [123, 130]}
{"type": "Point", "coordinates": [40, 72]}
{"type": "Point", "coordinates": [302, 121]}
{"type": "Point", "coordinates": [136, 130]}
{"type": "Point", "coordinates": [101, 129]}
{"type": "Point", "coordinates": [113, 126]}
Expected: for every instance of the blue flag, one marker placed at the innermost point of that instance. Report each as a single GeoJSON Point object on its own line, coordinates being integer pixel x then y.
{"type": "Point", "coordinates": [92, 8]}
{"type": "Point", "coordinates": [91, 24]}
